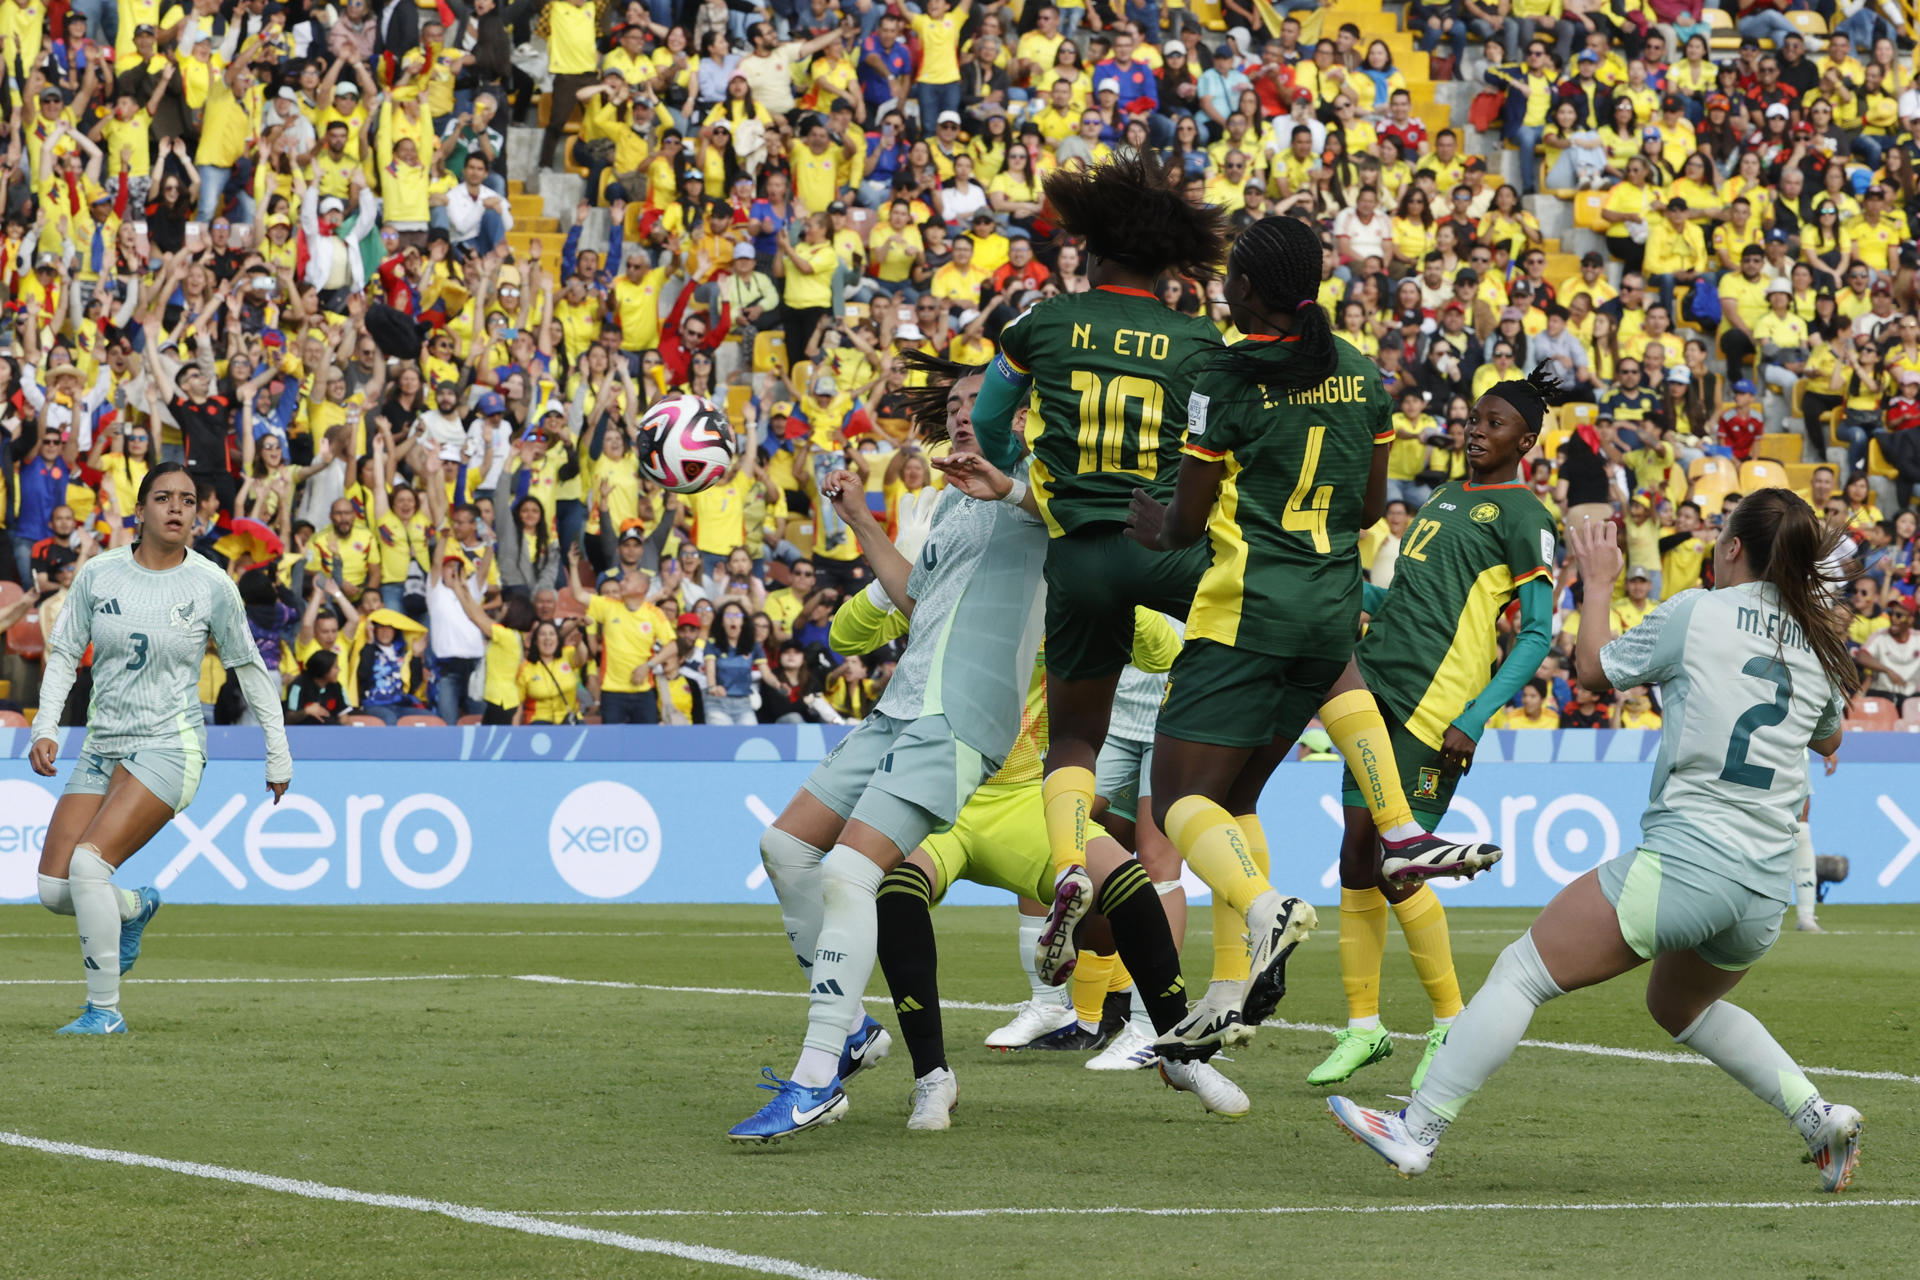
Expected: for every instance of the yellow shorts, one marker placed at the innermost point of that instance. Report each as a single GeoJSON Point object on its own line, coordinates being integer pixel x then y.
{"type": "Point", "coordinates": [1000, 839]}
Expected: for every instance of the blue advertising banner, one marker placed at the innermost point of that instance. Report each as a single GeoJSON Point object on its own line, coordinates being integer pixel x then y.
{"type": "Point", "coordinates": [675, 815]}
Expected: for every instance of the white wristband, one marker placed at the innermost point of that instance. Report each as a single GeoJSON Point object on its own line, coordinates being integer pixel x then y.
{"type": "Point", "coordinates": [878, 597]}
{"type": "Point", "coordinates": [1016, 495]}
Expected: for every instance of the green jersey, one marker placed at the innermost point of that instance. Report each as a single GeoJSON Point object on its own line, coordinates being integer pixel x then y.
{"type": "Point", "coordinates": [1461, 563]}
{"type": "Point", "coordinates": [1108, 367]}
{"type": "Point", "coordinates": [1285, 529]}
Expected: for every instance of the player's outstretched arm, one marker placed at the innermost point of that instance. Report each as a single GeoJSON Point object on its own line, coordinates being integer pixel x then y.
{"type": "Point", "coordinates": [1002, 391]}
{"type": "Point", "coordinates": [849, 498]}
{"type": "Point", "coordinates": [1530, 647]}
{"type": "Point", "coordinates": [1596, 549]}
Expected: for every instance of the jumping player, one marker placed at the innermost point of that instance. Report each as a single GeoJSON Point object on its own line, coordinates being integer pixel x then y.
{"type": "Point", "coordinates": [1104, 370]}
{"type": "Point", "coordinates": [1288, 433]}
{"type": "Point", "coordinates": [148, 609]}
{"type": "Point", "coordinates": [1474, 547]}
{"type": "Point", "coordinates": [1754, 672]}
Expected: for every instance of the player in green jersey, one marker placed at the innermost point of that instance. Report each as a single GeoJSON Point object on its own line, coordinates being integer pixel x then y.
{"type": "Point", "coordinates": [1108, 373]}
{"type": "Point", "coordinates": [1753, 673]}
{"type": "Point", "coordinates": [148, 611]}
{"type": "Point", "coordinates": [1476, 546]}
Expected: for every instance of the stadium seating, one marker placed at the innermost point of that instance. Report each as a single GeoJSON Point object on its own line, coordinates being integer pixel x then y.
{"type": "Point", "coordinates": [1910, 716]}
{"type": "Point", "coordinates": [1780, 446]}
{"type": "Point", "coordinates": [1760, 473]}
{"type": "Point", "coordinates": [1869, 712]}
{"type": "Point", "coordinates": [14, 720]}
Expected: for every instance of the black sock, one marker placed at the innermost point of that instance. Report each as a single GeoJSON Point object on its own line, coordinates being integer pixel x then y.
{"type": "Point", "coordinates": [909, 960]}
{"type": "Point", "coordinates": [1145, 942]}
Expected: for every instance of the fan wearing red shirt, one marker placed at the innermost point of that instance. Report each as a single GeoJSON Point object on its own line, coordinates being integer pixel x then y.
{"type": "Point", "coordinates": [1741, 423]}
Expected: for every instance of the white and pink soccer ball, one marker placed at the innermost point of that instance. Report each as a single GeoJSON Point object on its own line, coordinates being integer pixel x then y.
{"type": "Point", "coordinates": [686, 443]}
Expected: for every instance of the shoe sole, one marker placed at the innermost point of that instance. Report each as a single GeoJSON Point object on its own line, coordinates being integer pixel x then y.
{"type": "Point", "coordinates": [1383, 1051]}
{"type": "Point", "coordinates": [1402, 870]}
{"type": "Point", "coordinates": [1224, 1115]}
{"type": "Point", "coordinates": [1054, 955]}
{"type": "Point", "coordinates": [1200, 1048]}
{"type": "Point", "coordinates": [1269, 986]}
{"type": "Point", "coordinates": [827, 1117]}
{"type": "Point", "coordinates": [1128, 1065]}
{"type": "Point", "coordinates": [1362, 1143]}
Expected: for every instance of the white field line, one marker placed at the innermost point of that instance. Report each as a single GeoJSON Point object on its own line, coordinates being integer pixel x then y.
{"type": "Point", "coordinates": [519, 1222]}
{"type": "Point", "coordinates": [1290, 1210]}
{"type": "Point", "coordinates": [1316, 1028]}
{"type": "Point", "coordinates": [439, 933]}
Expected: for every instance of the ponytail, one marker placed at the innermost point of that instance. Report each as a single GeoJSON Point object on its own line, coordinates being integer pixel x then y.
{"type": "Point", "coordinates": [1787, 546]}
{"type": "Point", "coordinates": [1280, 257]}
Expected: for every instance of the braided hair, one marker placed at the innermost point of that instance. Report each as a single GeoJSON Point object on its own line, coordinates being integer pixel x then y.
{"type": "Point", "coordinates": [1130, 210]}
{"type": "Point", "coordinates": [1280, 257]}
{"type": "Point", "coordinates": [1533, 395]}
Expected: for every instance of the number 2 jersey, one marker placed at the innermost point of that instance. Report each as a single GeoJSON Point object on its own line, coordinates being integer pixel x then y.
{"type": "Point", "coordinates": [1285, 528]}
{"type": "Point", "coordinates": [149, 631]}
{"type": "Point", "coordinates": [1432, 647]}
{"type": "Point", "coordinates": [1108, 367]}
{"type": "Point", "coordinates": [1744, 694]}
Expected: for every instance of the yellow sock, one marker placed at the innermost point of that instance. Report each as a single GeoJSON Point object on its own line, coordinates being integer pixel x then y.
{"type": "Point", "coordinates": [1217, 849]}
{"type": "Point", "coordinates": [1353, 721]}
{"type": "Point", "coordinates": [1363, 940]}
{"type": "Point", "coordinates": [1119, 979]}
{"type": "Point", "coordinates": [1067, 797]}
{"type": "Point", "coordinates": [1229, 926]}
{"type": "Point", "coordinates": [1424, 921]}
{"type": "Point", "coordinates": [1090, 981]}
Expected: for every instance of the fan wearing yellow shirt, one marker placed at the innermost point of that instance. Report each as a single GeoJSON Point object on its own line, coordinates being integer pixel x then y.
{"type": "Point", "coordinates": [816, 165]}
{"type": "Point", "coordinates": [229, 127]}
{"type": "Point", "coordinates": [635, 303]}
{"type": "Point", "coordinates": [1060, 118]}
{"type": "Point", "coordinates": [938, 29]}
{"type": "Point", "coordinates": [1874, 233]}
{"type": "Point", "coordinates": [958, 283]}
{"type": "Point", "coordinates": [405, 190]}
{"type": "Point", "coordinates": [810, 268]}
{"type": "Point", "coordinates": [1741, 230]}
{"type": "Point", "coordinates": [573, 55]}
{"type": "Point", "coordinates": [632, 632]}
{"type": "Point", "coordinates": [1676, 252]}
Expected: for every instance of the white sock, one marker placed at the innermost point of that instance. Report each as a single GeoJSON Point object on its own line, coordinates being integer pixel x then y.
{"type": "Point", "coordinates": [97, 911]}
{"type": "Point", "coordinates": [129, 903]}
{"type": "Point", "coordinates": [793, 866]}
{"type": "Point", "coordinates": [55, 896]}
{"type": "Point", "coordinates": [1405, 831]}
{"type": "Point", "coordinates": [1490, 1028]}
{"type": "Point", "coordinates": [842, 962]}
{"type": "Point", "coordinates": [1138, 1015]}
{"type": "Point", "coordinates": [1029, 937]}
{"type": "Point", "coordinates": [1804, 887]}
{"type": "Point", "coordinates": [1370, 1023]}
{"type": "Point", "coordinates": [1447, 1021]}
{"type": "Point", "coordinates": [1735, 1041]}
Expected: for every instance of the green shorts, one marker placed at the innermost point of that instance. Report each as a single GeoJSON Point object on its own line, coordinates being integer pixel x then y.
{"type": "Point", "coordinates": [1668, 904]}
{"type": "Point", "coordinates": [1000, 840]}
{"type": "Point", "coordinates": [171, 773]}
{"type": "Point", "coordinates": [904, 778]}
{"type": "Point", "coordinates": [1123, 771]}
{"type": "Point", "coordinates": [1429, 787]}
{"type": "Point", "coordinates": [1094, 580]}
{"type": "Point", "coordinates": [1228, 697]}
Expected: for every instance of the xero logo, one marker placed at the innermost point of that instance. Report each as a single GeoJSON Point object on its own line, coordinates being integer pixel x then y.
{"type": "Point", "coordinates": [604, 839]}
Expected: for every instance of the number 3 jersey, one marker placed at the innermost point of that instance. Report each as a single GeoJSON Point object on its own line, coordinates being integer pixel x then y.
{"type": "Point", "coordinates": [149, 631]}
{"type": "Point", "coordinates": [1111, 372]}
{"type": "Point", "coordinates": [1433, 645]}
{"type": "Point", "coordinates": [1744, 694]}
{"type": "Point", "coordinates": [1285, 528]}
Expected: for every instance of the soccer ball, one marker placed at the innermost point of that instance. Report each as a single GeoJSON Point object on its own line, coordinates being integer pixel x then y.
{"type": "Point", "coordinates": [686, 443]}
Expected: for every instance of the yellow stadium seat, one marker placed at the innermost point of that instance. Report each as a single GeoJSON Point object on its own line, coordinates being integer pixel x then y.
{"type": "Point", "coordinates": [1577, 414]}
{"type": "Point", "coordinates": [739, 397]}
{"type": "Point", "coordinates": [1800, 475]}
{"type": "Point", "coordinates": [1722, 35]}
{"type": "Point", "coordinates": [769, 352]}
{"type": "Point", "coordinates": [1586, 210]}
{"type": "Point", "coordinates": [1810, 24]}
{"type": "Point", "coordinates": [1551, 439]}
{"type": "Point", "coordinates": [857, 312]}
{"type": "Point", "coordinates": [1210, 14]}
{"type": "Point", "coordinates": [1761, 473]}
{"type": "Point", "coordinates": [1710, 466]}
{"type": "Point", "coordinates": [1877, 463]}
{"type": "Point", "coordinates": [1710, 488]}
{"type": "Point", "coordinates": [1783, 447]}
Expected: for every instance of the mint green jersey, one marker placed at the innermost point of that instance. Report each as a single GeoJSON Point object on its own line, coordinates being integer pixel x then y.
{"type": "Point", "coordinates": [149, 631]}
{"type": "Point", "coordinates": [1744, 694]}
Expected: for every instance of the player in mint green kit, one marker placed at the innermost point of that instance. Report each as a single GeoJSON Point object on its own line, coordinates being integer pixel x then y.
{"type": "Point", "coordinates": [1753, 672]}
{"type": "Point", "coordinates": [148, 611]}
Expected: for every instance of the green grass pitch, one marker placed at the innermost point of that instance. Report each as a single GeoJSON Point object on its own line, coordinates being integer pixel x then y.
{"type": "Point", "coordinates": [602, 1108]}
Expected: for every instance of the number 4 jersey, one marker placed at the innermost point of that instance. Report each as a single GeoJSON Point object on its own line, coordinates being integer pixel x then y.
{"type": "Point", "coordinates": [1108, 367]}
{"type": "Point", "coordinates": [1285, 529]}
{"type": "Point", "coordinates": [1744, 694]}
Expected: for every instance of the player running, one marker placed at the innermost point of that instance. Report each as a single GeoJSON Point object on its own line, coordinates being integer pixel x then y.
{"type": "Point", "coordinates": [1475, 546]}
{"type": "Point", "coordinates": [1753, 672]}
{"type": "Point", "coordinates": [1103, 370]}
{"type": "Point", "coordinates": [148, 610]}
{"type": "Point", "coordinates": [1288, 433]}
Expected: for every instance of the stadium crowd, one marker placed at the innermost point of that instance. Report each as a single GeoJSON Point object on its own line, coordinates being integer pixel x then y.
{"type": "Point", "coordinates": [278, 242]}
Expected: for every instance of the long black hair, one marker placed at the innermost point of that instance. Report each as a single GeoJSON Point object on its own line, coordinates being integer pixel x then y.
{"type": "Point", "coordinates": [1280, 259]}
{"type": "Point", "coordinates": [1786, 544]}
{"type": "Point", "coordinates": [927, 403]}
{"type": "Point", "coordinates": [1131, 210]}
